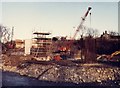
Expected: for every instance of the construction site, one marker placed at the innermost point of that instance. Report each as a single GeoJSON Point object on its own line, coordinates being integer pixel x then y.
{"type": "Point", "coordinates": [89, 60]}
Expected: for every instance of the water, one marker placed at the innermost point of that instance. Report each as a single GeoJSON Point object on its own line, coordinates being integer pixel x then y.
{"type": "Point", "coordinates": [14, 79]}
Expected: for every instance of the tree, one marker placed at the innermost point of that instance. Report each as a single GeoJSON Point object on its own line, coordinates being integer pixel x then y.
{"type": "Point", "coordinates": [4, 34]}
{"type": "Point", "coordinates": [92, 32]}
{"type": "Point", "coordinates": [96, 33]}
{"type": "Point", "coordinates": [113, 33]}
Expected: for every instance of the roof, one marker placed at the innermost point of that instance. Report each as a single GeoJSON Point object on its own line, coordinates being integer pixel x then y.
{"type": "Point", "coordinates": [42, 38]}
{"type": "Point", "coordinates": [19, 41]}
{"type": "Point", "coordinates": [40, 33]}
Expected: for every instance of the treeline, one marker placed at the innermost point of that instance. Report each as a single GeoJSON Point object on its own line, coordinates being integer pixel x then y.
{"type": "Point", "coordinates": [101, 46]}
{"type": "Point", "coordinates": [104, 46]}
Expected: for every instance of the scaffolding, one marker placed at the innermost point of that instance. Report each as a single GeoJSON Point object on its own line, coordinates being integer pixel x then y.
{"type": "Point", "coordinates": [43, 50]}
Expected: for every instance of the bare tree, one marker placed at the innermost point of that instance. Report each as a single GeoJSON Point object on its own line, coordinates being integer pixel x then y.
{"type": "Point", "coordinates": [90, 32]}
{"type": "Point", "coordinates": [4, 34]}
{"type": "Point", "coordinates": [113, 33]}
{"type": "Point", "coordinates": [96, 33]}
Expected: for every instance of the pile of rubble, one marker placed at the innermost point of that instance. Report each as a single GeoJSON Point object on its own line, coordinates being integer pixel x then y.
{"type": "Point", "coordinates": [76, 74]}
{"type": "Point", "coordinates": [67, 74]}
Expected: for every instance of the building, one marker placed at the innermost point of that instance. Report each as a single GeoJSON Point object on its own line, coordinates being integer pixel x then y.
{"type": "Point", "coordinates": [28, 45]}
{"type": "Point", "coordinates": [19, 43]}
{"type": "Point", "coordinates": [41, 47]}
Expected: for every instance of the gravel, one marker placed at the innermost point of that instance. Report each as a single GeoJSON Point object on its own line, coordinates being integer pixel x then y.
{"type": "Point", "coordinates": [68, 74]}
{"type": "Point", "coordinates": [84, 73]}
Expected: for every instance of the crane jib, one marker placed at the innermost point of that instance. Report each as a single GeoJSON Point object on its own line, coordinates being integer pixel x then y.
{"type": "Point", "coordinates": [88, 11]}
{"type": "Point", "coordinates": [83, 19]}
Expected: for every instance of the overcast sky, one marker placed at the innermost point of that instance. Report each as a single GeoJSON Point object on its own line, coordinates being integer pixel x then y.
{"type": "Point", "coordinates": [59, 18]}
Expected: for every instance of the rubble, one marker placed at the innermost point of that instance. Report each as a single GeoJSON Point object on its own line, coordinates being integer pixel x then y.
{"type": "Point", "coordinates": [67, 74]}
{"type": "Point", "coordinates": [76, 74]}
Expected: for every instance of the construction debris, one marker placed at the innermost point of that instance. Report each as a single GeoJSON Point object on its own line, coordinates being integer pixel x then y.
{"type": "Point", "coordinates": [81, 73]}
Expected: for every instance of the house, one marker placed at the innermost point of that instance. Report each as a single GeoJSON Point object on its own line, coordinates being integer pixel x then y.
{"type": "Point", "coordinates": [19, 43]}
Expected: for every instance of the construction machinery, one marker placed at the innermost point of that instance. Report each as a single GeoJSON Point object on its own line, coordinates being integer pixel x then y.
{"type": "Point", "coordinates": [83, 20]}
{"type": "Point", "coordinates": [68, 46]}
{"type": "Point", "coordinates": [79, 27]}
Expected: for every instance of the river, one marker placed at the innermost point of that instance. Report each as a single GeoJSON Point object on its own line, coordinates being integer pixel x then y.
{"type": "Point", "coordinates": [10, 79]}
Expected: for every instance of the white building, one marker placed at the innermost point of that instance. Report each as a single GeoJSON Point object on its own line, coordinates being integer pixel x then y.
{"type": "Point", "coordinates": [28, 45]}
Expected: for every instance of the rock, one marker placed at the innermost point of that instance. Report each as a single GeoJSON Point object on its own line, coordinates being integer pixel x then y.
{"type": "Point", "coordinates": [75, 75]}
{"type": "Point", "coordinates": [83, 80]}
{"type": "Point", "coordinates": [99, 80]}
{"type": "Point", "coordinates": [113, 78]}
{"type": "Point", "coordinates": [83, 69]}
{"type": "Point", "coordinates": [67, 74]}
{"type": "Point", "coordinates": [98, 70]}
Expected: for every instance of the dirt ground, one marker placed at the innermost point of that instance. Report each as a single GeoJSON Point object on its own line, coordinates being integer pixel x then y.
{"type": "Point", "coordinates": [14, 60]}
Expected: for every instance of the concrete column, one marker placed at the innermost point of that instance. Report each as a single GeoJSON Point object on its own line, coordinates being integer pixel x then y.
{"type": "Point", "coordinates": [28, 45]}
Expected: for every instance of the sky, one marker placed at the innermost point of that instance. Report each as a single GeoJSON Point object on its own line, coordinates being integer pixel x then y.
{"type": "Point", "coordinates": [59, 18]}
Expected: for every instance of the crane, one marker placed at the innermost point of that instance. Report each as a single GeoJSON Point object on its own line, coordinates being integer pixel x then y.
{"type": "Point", "coordinates": [79, 27]}
{"type": "Point", "coordinates": [67, 47]}
{"type": "Point", "coordinates": [83, 20]}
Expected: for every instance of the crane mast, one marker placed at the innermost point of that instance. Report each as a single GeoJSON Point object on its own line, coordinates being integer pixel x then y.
{"type": "Point", "coordinates": [83, 20]}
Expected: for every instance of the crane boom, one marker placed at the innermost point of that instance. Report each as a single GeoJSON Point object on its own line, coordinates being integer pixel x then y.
{"type": "Point", "coordinates": [83, 20]}
{"type": "Point", "coordinates": [67, 47]}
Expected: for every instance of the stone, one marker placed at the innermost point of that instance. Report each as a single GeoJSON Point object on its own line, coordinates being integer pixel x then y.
{"type": "Point", "coordinates": [68, 74]}
{"type": "Point", "coordinates": [99, 80]}
{"type": "Point", "coordinates": [98, 70]}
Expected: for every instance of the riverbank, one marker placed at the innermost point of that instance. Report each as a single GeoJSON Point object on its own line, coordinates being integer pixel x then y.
{"type": "Point", "coordinates": [64, 72]}
{"type": "Point", "coordinates": [11, 79]}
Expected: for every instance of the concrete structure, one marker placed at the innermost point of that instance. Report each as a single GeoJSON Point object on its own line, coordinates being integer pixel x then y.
{"type": "Point", "coordinates": [28, 45]}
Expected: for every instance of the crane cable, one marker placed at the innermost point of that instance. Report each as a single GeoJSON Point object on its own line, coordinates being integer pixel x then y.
{"type": "Point", "coordinates": [90, 20]}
